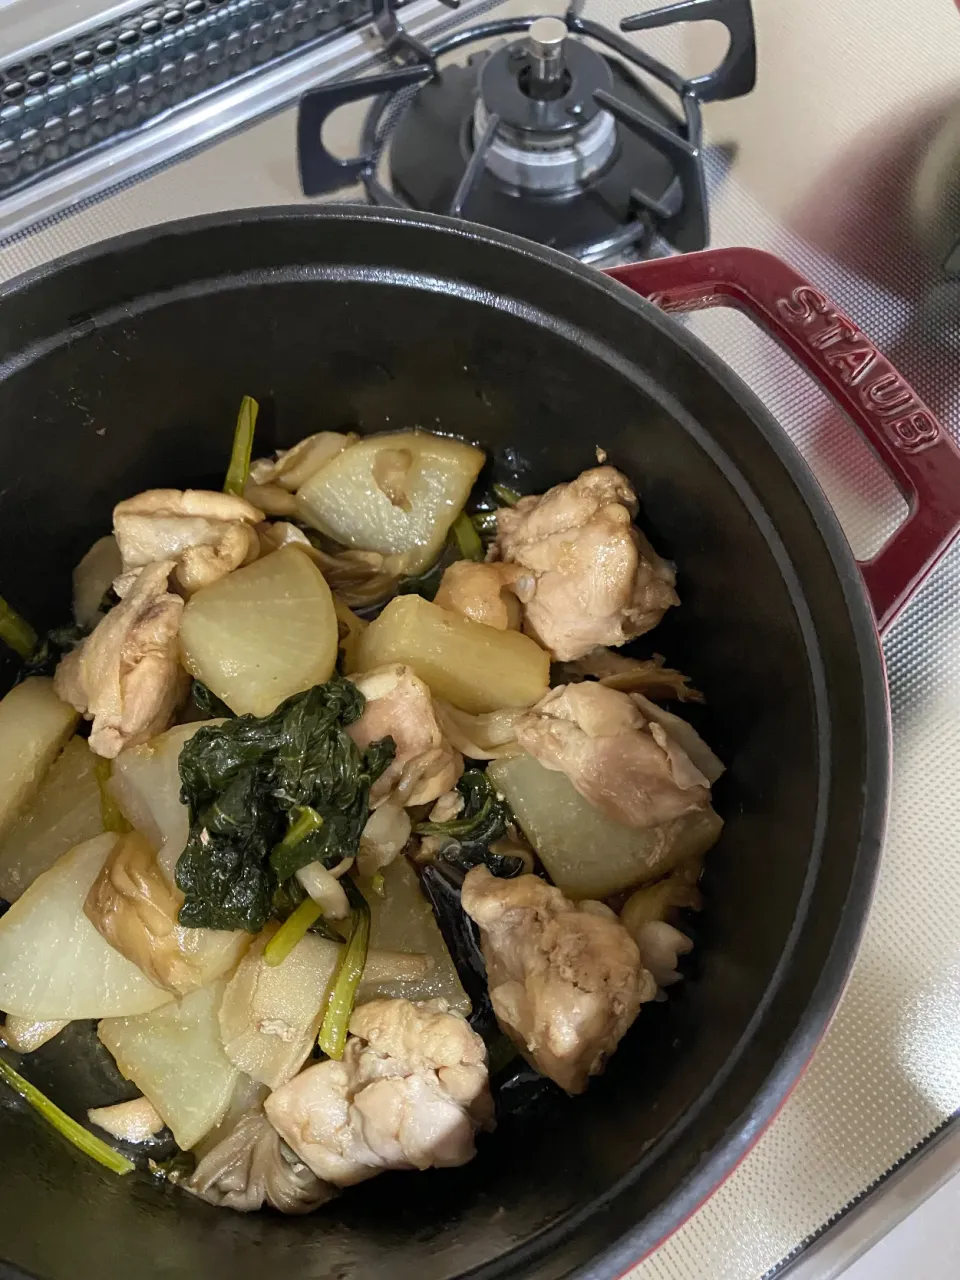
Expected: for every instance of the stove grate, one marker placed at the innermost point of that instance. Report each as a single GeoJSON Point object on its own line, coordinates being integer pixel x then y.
{"type": "Point", "coordinates": [646, 218]}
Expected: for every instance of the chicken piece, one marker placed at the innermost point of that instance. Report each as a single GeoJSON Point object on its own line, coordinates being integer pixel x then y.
{"type": "Point", "coordinates": [274, 481]}
{"type": "Point", "coordinates": [483, 592]}
{"type": "Point", "coordinates": [565, 979]}
{"type": "Point", "coordinates": [206, 534]}
{"type": "Point", "coordinates": [126, 676]}
{"type": "Point", "coordinates": [399, 706]}
{"type": "Point", "coordinates": [409, 1093]}
{"type": "Point", "coordinates": [629, 766]}
{"type": "Point", "coordinates": [249, 1168]}
{"type": "Point", "coordinates": [593, 578]}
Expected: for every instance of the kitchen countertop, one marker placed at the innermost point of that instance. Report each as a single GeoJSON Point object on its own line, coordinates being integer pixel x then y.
{"type": "Point", "coordinates": [846, 161]}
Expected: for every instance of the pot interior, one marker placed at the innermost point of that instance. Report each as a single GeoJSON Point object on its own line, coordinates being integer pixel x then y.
{"type": "Point", "coordinates": [123, 371]}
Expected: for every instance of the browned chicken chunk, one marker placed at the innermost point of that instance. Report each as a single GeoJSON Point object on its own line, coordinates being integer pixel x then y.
{"type": "Point", "coordinates": [399, 706]}
{"type": "Point", "coordinates": [126, 676]}
{"type": "Point", "coordinates": [625, 763]}
{"type": "Point", "coordinates": [483, 592]}
{"type": "Point", "coordinates": [206, 534]}
{"type": "Point", "coordinates": [593, 579]}
{"type": "Point", "coordinates": [409, 1093]}
{"type": "Point", "coordinates": [565, 978]}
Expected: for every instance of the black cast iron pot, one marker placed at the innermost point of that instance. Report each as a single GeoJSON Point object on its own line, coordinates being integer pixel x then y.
{"type": "Point", "coordinates": [122, 369]}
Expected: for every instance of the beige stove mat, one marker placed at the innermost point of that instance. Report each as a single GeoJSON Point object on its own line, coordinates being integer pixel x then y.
{"type": "Point", "coordinates": [846, 161]}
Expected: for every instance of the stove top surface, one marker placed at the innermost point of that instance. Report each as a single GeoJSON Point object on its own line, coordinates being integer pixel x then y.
{"type": "Point", "coordinates": [562, 130]}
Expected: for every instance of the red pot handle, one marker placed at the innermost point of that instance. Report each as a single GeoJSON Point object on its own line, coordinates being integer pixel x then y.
{"type": "Point", "coordinates": [914, 447]}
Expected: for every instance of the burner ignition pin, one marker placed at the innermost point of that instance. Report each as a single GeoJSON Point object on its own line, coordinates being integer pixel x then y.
{"type": "Point", "coordinates": [545, 40]}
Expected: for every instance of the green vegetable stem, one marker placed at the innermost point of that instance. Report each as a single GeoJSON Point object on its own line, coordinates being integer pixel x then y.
{"type": "Point", "coordinates": [305, 822]}
{"type": "Point", "coordinates": [343, 988]}
{"type": "Point", "coordinates": [509, 497]}
{"type": "Point", "coordinates": [16, 632]}
{"type": "Point", "coordinates": [75, 1133]}
{"type": "Point", "coordinates": [468, 540]}
{"type": "Point", "coordinates": [290, 932]}
{"type": "Point", "coordinates": [239, 468]}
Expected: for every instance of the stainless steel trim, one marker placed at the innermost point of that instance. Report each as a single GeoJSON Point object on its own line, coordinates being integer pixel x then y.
{"type": "Point", "coordinates": [880, 1211]}
{"type": "Point", "coordinates": [206, 120]}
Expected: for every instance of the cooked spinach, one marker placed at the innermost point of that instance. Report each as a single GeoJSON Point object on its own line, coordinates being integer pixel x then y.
{"type": "Point", "coordinates": [247, 782]}
{"type": "Point", "coordinates": [483, 819]}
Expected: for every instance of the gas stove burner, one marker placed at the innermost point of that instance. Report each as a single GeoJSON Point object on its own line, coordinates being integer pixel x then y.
{"type": "Point", "coordinates": [546, 136]}
{"type": "Point", "coordinates": [560, 171]}
{"type": "Point", "coordinates": [550, 134]}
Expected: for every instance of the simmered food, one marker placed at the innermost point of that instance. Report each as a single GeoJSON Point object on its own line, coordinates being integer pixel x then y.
{"type": "Point", "coordinates": [263, 633]}
{"type": "Point", "coordinates": [474, 666]}
{"type": "Point", "coordinates": [344, 800]}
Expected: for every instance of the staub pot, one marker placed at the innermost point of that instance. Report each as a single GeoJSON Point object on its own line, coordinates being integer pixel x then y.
{"type": "Point", "coordinates": [122, 369]}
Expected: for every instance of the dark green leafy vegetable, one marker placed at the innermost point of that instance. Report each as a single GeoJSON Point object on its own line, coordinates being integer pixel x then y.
{"type": "Point", "coordinates": [245, 783]}
{"type": "Point", "coordinates": [483, 819]}
{"type": "Point", "coordinates": [49, 651]}
{"type": "Point", "coordinates": [207, 702]}
{"type": "Point", "coordinates": [75, 1133]}
{"type": "Point", "coordinates": [40, 655]}
{"type": "Point", "coordinates": [239, 468]}
{"type": "Point", "coordinates": [343, 987]}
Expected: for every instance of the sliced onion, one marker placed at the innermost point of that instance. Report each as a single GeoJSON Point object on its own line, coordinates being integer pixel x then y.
{"type": "Point", "coordinates": [325, 889]}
